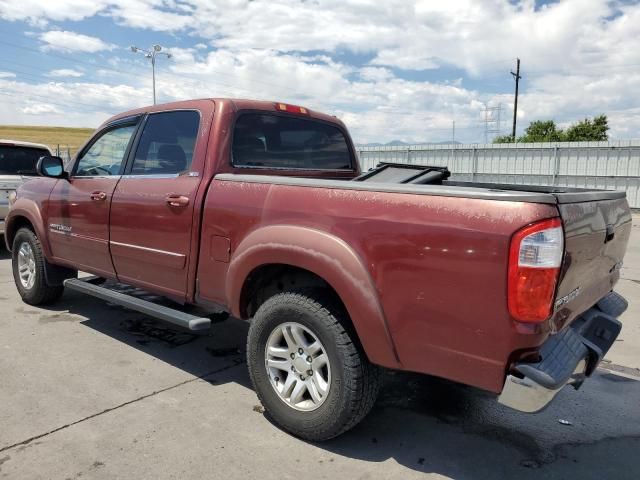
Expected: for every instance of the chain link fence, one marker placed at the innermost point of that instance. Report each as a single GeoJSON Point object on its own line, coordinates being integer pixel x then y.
{"type": "Point", "coordinates": [62, 151]}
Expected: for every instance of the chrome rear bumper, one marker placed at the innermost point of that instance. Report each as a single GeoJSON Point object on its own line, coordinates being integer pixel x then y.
{"type": "Point", "coordinates": [567, 358]}
{"type": "Point", "coordinates": [525, 395]}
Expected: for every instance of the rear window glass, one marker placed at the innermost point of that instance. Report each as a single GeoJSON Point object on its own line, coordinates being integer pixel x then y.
{"type": "Point", "coordinates": [19, 160]}
{"type": "Point", "coordinates": [275, 141]}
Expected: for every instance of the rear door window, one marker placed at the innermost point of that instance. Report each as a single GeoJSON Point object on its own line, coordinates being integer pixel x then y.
{"type": "Point", "coordinates": [167, 143]}
{"type": "Point", "coordinates": [17, 160]}
{"type": "Point", "coordinates": [278, 141]}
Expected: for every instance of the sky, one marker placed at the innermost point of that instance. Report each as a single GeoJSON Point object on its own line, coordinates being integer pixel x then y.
{"type": "Point", "coordinates": [391, 70]}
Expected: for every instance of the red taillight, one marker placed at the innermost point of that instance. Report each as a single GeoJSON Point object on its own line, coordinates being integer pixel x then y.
{"type": "Point", "coordinates": [535, 257]}
{"type": "Point", "coordinates": [284, 107]}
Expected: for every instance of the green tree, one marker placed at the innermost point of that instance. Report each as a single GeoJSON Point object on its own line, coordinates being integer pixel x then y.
{"type": "Point", "coordinates": [503, 139]}
{"type": "Point", "coordinates": [538, 131]}
{"type": "Point", "coordinates": [542, 131]}
{"type": "Point", "coordinates": [589, 130]}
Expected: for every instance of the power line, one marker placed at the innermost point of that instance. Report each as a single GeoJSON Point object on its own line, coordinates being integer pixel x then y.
{"type": "Point", "coordinates": [68, 59]}
{"type": "Point", "coordinates": [52, 102]}
{"type": "Point", "coordinates": [203, 84]}
{"type": "Point", "coordinates": [41, 77]}
{"type": "Point", "coordinates": [93, 65]}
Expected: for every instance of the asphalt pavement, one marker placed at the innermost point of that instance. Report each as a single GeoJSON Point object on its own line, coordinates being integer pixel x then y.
{"type": "Point", "coordinates": [90, 390]}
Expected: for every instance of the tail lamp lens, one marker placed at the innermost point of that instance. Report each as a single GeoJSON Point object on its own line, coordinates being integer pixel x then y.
{"type": "Point", "coordinates": [535, 257]}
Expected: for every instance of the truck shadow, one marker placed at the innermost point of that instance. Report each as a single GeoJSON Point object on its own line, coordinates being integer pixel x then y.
{"type": "Point", "coordinates": [426, 424]}
{"type": "Point", "coordinates": [199, 354]}
{"type": "Point", "coordinates": [434, 426]}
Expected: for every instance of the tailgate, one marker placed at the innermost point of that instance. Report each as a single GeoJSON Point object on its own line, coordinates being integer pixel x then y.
{"type": "Point", "coordinates": [596, 237]}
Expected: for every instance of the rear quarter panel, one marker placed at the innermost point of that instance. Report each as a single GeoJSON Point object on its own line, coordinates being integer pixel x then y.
{"type": "Point", "coordinates": [438, 264]}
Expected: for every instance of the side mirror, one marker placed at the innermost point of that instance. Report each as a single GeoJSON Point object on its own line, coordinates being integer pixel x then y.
{"type": "Point", "coordinates": [51, 166]}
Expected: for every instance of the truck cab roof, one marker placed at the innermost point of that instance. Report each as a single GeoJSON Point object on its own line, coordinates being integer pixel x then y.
{"type": "Point", "coordinates": [233, 104]}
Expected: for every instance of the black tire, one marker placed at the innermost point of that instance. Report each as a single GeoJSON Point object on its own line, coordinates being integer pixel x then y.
{"type": "Point", "coordinates": [39, 293]}
{"type": "Point", "coordinates": [354, 383]}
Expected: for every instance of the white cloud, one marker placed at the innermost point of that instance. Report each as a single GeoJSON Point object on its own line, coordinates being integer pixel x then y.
{"type": "Point", "coordinates": [479, 37]}
{"type": "Point", "coordinates": [83, 104]}
{"type": "Point", "coordinates": [376, 73]}
{"type": "Point", "coordinates": [39, 109]}
{"type": "Point", "coordinates": [64, 40]}
{"type": "Point", "coordinates": [7, 74]}
{"type": "Point", "coordinates": [579, 58]}
{"type": "Point", "coordinates": [39, 12]}
{"type": "Point", "coordinates": [151, 14]}
{"type": "Point", "coordinates": [65, 72]}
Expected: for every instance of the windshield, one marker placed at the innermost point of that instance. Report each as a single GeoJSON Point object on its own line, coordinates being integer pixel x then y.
{"type": "Point", "coordinates": [19, 160]}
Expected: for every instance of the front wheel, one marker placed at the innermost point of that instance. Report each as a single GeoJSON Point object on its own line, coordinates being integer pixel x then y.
{"type": "Point", "coordinates": [309, 373]}
{"type": "Point", "coordinates": [28, 264]}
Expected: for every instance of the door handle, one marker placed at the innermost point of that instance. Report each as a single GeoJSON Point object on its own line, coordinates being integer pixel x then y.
{"type": "Point", "coordinates": [174, 200]}
{"type": "Point", "coordinates": [98, 196]}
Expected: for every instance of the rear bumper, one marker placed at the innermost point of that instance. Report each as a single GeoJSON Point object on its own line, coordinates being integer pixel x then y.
{"type": "Point", "coordinates": [566, 358]}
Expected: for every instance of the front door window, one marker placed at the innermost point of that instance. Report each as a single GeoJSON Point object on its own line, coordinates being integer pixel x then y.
{"type": "Point", "coordinates": [105, 156]}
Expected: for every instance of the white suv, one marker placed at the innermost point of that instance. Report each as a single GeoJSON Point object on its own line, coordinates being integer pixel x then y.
{"type": "Point", "coordinates": [17, 163]}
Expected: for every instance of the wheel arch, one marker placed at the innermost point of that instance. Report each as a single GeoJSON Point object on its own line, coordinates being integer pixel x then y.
{"type": "Point", "coordinates": [24, 214]}
{"type": "Point", "coordinates": [318, 258]}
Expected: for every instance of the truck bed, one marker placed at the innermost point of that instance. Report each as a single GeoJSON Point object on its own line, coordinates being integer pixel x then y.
{"type": "Point", "coordinates": [427, 175]}
{"type": "Point", "coordinates": [428, 246]}
{"type": "Point", "coordinates": [445, 188]}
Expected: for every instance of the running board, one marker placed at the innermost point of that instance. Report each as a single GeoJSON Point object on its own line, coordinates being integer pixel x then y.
{"type": "Point", "coordinates": [182, 319]}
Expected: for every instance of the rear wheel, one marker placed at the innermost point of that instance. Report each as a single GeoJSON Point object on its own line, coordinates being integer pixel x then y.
{"type": "Point", "coordinates": [28, 264]}
{"type": "Point", "coordinates": [308, 372]}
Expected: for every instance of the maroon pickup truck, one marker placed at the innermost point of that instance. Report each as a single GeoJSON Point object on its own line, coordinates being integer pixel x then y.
{"type": "Point", "coordinates": [260, 208]}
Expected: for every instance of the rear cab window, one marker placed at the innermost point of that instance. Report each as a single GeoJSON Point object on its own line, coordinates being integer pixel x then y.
{"type": "Point", "coordinates": [19, 160]}
{"type": "Point", "coordinates": [269, 140]}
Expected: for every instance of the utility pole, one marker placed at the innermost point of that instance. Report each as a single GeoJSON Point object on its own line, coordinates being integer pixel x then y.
{"type": "Point", "coordinates": [151, 55]}
{"type": "Point", "coordinates": [517, 78]}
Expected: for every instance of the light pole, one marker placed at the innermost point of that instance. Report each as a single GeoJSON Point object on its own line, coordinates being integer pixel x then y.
{"type": "Point", "coordinates": [152, 54]}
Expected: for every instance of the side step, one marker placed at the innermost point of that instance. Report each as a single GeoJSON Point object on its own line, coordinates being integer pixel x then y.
{"type": "Point", "coordinates": [185, 320]}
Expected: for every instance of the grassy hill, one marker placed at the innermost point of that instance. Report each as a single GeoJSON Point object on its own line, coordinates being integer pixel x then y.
{"type": "Point", "coordinates": [73, 138]}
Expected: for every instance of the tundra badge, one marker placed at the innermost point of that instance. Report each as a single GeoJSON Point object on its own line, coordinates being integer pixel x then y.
{"type": "Point", "coordinates": [567, 298]}
{"type": "Point", "coordinates": [60, 228]}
